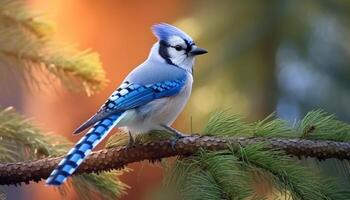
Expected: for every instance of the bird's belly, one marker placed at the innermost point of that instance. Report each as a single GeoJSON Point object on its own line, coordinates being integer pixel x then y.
{"type": "Point", "coordinates": [159, 112]}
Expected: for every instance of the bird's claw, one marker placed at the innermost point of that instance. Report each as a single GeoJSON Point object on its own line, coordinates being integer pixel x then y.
{"type": "Point", "coordinates": [177, 134]}
{"type": "Point", "coordinates": [173, 142]}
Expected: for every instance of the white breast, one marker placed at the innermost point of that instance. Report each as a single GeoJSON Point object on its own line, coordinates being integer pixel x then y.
{"type": "Point", "coordinates": [162, 111]}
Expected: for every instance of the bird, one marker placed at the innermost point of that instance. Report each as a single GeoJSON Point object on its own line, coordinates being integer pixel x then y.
{"type": "Point", "coordinates": [150, 98]}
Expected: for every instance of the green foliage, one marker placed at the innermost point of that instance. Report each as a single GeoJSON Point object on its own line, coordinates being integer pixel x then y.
{"type": "Point", "coordinates": [234, 125]}
{"type": "Point", "coordinates": [28, 51]}
{"type": "Point", "coordinates": [231, 174]}
{"type": "Point", "coordinates": [315, 125]}
{"type": "Point", "coordinates": [237, 172]}
{"type": "Point", "coordinates": [105, 184]}
{"type": "Point", "coordinates": [270, 127]}
{"type": "Point", "coordinates": [19, 140]}
{"type": "Point", "coordinates": [288, 177]}
{"type": "Point", "coordinates": [16, 14]}
{"type": "Point", "coordinates": [321, 125]}
{"type": "Point", "coordinates": [26, 47]}
{"type": "Point", "coordinates": [213, 175]}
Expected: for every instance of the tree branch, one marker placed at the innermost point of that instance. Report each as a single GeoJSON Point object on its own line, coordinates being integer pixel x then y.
{"type": "Point", "coordinates": [117, 158]}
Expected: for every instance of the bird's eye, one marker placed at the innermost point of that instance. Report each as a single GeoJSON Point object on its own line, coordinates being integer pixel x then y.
{"type": "Point", "coordinates": [178, 48]}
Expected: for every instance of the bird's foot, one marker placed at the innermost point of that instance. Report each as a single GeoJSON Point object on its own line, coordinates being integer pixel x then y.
{"type": "Point", "coordinates": [174, 140]}
{"type": "Point", "coordinates": [177, 134]}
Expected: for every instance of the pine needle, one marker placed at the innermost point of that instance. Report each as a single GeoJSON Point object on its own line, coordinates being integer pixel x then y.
{"type": "Point", "coordinates": [287, 176]}
{"type": "Point", "coordinates": [228, 174]}
{"type": "Point", "coordinates": [214, 175]}
{"type": "Point", "coordinates": [26, 49]}
{"type": "Point", "coordinates": [315, 125]}
{"type": "Point", "coordinates": [270, 127]}
{"type": "Point", "coordinates": [224, 123]}
{"type": "Point", "coordinates": [321, 125]}
{"type": "Point", "coordinates": [208, 176]}
{"type": "Point", "coordinates": [104, 185]}
{"type": "Point", "coordinates": [19, 140]}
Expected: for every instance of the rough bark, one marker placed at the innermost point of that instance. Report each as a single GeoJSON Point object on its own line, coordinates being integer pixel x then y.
{"type": "Point", "coordinates": [117, 158]}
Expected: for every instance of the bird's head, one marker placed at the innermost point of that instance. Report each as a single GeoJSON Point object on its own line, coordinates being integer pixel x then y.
{"type": "Point", "coordinates": [174, 46]}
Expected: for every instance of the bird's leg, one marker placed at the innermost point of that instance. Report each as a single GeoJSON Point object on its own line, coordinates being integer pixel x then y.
{"type": "Point", "coordinates": [178, 135]}
{"type": "Point", "coordinates": [131, 141]}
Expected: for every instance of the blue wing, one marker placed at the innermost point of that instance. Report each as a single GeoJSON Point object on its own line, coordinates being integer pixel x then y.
{"type": "Point", "coordinates": [130, 95]}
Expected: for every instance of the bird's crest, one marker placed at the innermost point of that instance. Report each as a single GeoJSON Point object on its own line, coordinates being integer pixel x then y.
{"type": "Point", "coordinates": [164, 31]}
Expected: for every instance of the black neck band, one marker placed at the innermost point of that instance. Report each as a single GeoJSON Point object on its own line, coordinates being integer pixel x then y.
{"type": "Point", "coordinates": [163, 52]}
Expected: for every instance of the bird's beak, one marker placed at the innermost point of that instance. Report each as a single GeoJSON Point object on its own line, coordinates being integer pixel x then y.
{"type": "Point", "coordinates": [195, 51]}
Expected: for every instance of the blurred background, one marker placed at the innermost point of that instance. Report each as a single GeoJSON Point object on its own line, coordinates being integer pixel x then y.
{"type": "Point", "coordinates": [282, 56]}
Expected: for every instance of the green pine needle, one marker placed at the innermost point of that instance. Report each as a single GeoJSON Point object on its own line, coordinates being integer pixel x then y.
{"type": "Point", "coordinates": [26, 47]}
{"type": "Point", "coordinates": [225, 170]}
{"type": "Point", "coordinates": [315, 125]}
{"type": "Point", "coordinates": [213, 175]}
{"type": "Point", "coordinates": [193, 183]}
{"type": "Point", "coordinates": [15, 13]}
{"type": "Point", "coordinates": [321, 125]}
{"type": "Point", "coordinates": [270, 127]}
{"type": "Point", "coordinates": [105, 185]}
{"type": "Point", "coordinates": [229, 174]}
{"type": "Point", "coordinates": [19, 141]}
{"type": "Point", "coordinates": [287, 176]}
{"type": "Point", "coordinates": [24, 141]}
{"type": "Point", "coordinates": [223, 123]}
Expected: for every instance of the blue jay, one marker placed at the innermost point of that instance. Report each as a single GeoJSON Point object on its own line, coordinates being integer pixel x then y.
{"type": "Point", "coordinates": [150, 98]}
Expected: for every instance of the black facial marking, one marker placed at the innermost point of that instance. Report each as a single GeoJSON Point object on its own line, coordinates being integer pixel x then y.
{"type": "Point", "coordinates": [188, 45]}
{"type": "Point", "coordinates": [163, 51]}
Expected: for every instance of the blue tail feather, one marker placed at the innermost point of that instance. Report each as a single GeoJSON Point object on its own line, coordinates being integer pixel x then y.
{"type": "Point", "coordinates": [77, 154]}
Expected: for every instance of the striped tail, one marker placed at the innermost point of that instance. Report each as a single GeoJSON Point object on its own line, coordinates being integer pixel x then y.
{"type": "Point", "coordinates": [77, 154]}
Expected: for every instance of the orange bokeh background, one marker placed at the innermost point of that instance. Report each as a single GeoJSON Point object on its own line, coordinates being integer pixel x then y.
{"type": "Point", "coordinates": [284, 57]}
{"type": "Point", "coordinates": [120, 32]}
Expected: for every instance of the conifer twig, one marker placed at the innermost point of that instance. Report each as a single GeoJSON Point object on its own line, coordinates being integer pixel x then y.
{"type": "Point", "coordinates": [117, 158]}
